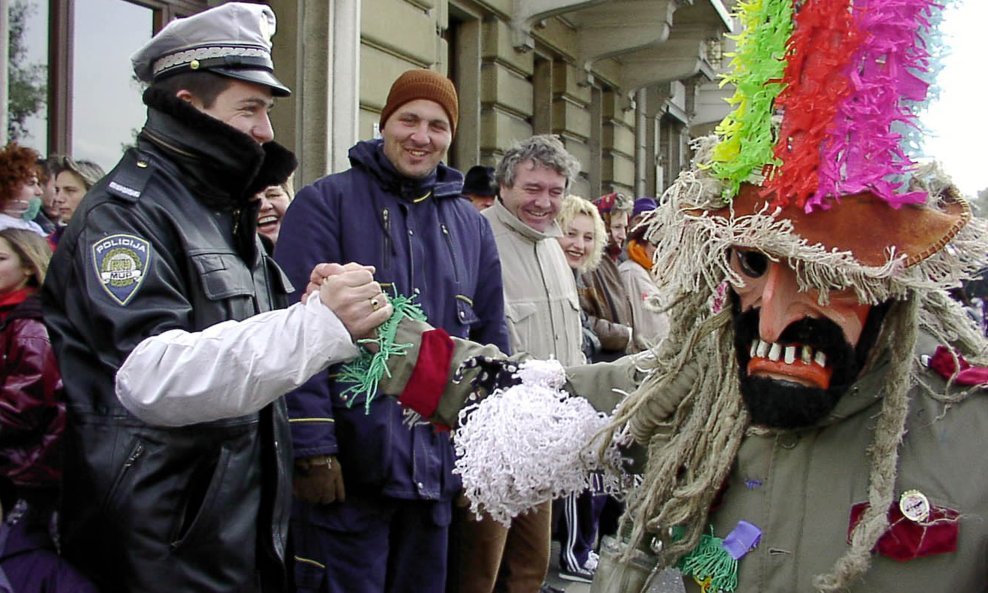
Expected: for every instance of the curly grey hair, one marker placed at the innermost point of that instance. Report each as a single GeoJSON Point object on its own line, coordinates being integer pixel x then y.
{"type": "Point", "coordinates": [545, 150]}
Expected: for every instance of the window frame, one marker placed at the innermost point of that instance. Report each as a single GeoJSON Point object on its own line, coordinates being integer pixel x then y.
{"type": "Point", "coordinates": [60, 54]}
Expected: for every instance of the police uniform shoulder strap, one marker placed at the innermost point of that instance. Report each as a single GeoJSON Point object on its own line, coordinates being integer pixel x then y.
{"type": "Point", "coordinates": [129, 179]}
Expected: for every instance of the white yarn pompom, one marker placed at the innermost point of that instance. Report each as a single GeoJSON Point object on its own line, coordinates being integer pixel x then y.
{"type": "Point", "coordinates": [527, 444]}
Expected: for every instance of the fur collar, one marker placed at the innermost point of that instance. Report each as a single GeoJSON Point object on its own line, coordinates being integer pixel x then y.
{"type": "Point", "coordinates": [223, 166]}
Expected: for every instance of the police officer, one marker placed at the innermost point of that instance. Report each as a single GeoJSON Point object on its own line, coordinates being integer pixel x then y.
{"type": "Point", "coordinates": [164, 315]}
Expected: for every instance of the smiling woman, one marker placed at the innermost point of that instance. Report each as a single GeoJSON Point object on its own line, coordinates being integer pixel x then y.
{"type": "Point", "coordinates": [274, 201]}
{"type": "Point", "coordinates": [583, 233]}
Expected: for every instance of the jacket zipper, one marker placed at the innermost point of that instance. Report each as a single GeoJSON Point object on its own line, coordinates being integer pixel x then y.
{"type": "Point", "coordinates": [135, 454]}
{"type": "Point", "coordinates": [410, 235]}
{"type": "Point", "coordinates": [452, 252]}
{"type": "Point", "coordinates": [386, 215]}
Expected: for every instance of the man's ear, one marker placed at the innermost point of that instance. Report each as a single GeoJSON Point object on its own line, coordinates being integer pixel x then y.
{"type": "Point", "coordinates": [187, 96]}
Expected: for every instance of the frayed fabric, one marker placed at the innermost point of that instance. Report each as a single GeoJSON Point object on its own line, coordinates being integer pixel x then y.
{"type": "Point", "coordinates": [691, 245]}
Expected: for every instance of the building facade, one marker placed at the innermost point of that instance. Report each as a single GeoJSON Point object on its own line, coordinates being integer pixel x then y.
{"type": "Point", "coordinates": [625, 83]}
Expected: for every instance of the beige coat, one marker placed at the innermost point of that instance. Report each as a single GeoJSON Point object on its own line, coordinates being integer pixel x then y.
{"type": "Point", "coordinates": [651, 327]}
{"type": "Point", "coordinates": [540, 299]}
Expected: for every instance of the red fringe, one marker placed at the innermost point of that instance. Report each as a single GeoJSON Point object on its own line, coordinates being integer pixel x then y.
{"type": "Point", "coordinates": [816, 82]}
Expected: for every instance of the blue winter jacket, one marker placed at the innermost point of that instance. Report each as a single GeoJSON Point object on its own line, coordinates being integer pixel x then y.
{"type": "Point", "coordinates": [435, 245]}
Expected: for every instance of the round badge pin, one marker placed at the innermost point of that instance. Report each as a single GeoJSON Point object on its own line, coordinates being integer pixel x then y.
{"type": "Point", "coordinates": [914, 506]}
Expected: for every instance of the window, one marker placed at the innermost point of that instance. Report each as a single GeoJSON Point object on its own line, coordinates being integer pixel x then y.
{"type": "Point", "coordinates": [106, 109]}
{"type": "Point", "coordinates": [82, 48]}
{"type": "Point", "coordinates": [27, 107]}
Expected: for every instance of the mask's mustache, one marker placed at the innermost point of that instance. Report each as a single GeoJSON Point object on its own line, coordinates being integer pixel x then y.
{"type": "Point", "coordinates": [820, 334]}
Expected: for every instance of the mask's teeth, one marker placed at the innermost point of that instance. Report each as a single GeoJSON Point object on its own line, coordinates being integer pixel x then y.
{"type": "Point", "coordinates": [790, 354]}
{"type": "Point", "coordinates": [762, 348]}
{"type": "Point", "coordinates": [775, 352]}
{"type": "Point", "coordinates": [754, 348]}
{"type": "Point", "coordinates": [807, 355]}
{"type": "Point", "coordinates": [820, 359]}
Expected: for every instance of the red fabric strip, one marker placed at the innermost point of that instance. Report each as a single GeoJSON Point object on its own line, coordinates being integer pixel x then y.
{"type": "Point", "coordinates": [906, 540]}
{"type": "Point", "coordinates": [943, 363]}
{"type": "Point", "coordinates": [430, 375]}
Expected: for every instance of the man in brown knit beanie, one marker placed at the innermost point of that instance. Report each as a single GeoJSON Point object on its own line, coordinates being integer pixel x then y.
{"type": "Point", "coordinates": [375, 492]}
{"type": "Point", "coordinates": [423, 84]}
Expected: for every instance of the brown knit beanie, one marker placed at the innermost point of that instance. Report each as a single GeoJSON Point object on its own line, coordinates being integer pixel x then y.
{"type": "Point", "coordinates": [423, 84]}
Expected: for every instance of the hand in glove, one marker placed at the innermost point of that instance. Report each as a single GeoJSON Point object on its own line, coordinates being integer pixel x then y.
{"type": "Point", "coordinates": [488, 374]}
{"type": "Point", "coordinates": [318, 480]}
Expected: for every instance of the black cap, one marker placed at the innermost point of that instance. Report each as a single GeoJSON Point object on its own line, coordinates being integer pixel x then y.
{"type": "Point", "coordinates": [480, 181]}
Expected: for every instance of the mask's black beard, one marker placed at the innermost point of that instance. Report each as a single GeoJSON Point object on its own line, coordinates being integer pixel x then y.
{"type": "Point", "coordinates": [783, 404]}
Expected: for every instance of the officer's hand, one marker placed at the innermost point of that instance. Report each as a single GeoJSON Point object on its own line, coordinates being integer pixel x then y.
{"type": "Point", "coordinates": [357, 300]}
{"type": "Point", "coordinates": [322, 271]}
{"type": "Point", "coordinates": [318, 480]}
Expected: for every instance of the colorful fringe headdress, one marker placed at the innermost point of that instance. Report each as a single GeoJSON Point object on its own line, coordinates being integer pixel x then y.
{"type": "Point", "coordinates": [813, 164]}
{"type": "Point", "coordinates": [848, 78]}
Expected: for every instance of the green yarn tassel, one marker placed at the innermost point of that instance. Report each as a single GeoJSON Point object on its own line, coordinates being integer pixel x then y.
{"type": "Point", "coordinates": [711, 565]}
{"type": "Point", "coordinates": [365, 371]}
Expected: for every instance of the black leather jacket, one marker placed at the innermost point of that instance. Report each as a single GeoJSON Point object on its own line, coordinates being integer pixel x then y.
{"type": "Point", "coordinates": [167, 241]}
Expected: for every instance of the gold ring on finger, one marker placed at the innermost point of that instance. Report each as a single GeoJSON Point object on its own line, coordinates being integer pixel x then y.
{"type": "Point", "coordinates": [375, 305]}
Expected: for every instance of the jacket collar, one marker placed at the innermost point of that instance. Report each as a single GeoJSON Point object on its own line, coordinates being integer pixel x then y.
{"type": "Point", "coordinates": [23, 304]}
{"type": "Point", "coordinates": [515, 224]}
{"type": "Point", "coordinates": [222, 166]}
{"type": "Point", "coordinates": [444, 182]}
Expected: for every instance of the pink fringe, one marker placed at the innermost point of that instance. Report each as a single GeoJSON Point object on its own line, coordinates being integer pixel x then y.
{"type": "Point", "coordinates": [862, 152]}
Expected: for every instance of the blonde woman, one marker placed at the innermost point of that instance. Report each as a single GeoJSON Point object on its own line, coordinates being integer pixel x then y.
{"type": "Point", "coordinates": [32, 413]}
{"type": "Point", "coordinates": [583, 240]}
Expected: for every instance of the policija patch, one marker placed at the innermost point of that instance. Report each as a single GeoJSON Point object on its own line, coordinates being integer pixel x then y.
{"type": "Point", "coordinates": [121, 262]}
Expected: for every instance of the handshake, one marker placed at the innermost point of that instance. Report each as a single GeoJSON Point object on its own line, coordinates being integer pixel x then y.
{"type": "Point", "coordinates": [354, 296]}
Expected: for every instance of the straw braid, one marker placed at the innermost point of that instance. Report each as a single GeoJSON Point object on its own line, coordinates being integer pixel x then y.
{"type": "Point", "coordinates": [901, 330]}
{"type": "Point", "coordinates": [686, 470]}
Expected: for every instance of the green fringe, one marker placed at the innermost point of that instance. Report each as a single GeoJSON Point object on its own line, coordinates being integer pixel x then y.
{"type": "Point", "coordinates": [757, 68]}
{"type": "Point", "coordinates": [365, 371]}
{"type": "Point", "coordinates": [709, 560]}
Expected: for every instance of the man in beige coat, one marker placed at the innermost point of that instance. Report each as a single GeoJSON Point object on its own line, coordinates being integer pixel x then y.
{"type": "Point", "coordinates": [543, 312]}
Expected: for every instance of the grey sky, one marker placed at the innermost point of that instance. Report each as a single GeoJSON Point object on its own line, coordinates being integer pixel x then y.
{"type": "Point", "coordinates": [957, 121]}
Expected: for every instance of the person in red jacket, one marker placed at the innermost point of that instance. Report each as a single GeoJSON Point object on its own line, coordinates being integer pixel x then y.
{"type": "Point", "coordinates": [32, 419]}
{"type": "Point", "coordinates": [32, 410]}
{"type": "Point", "coordinates": [32, 414]}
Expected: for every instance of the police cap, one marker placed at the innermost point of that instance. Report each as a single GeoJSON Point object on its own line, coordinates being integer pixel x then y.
{"type": "Point", "coordinates": [233, 40]}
